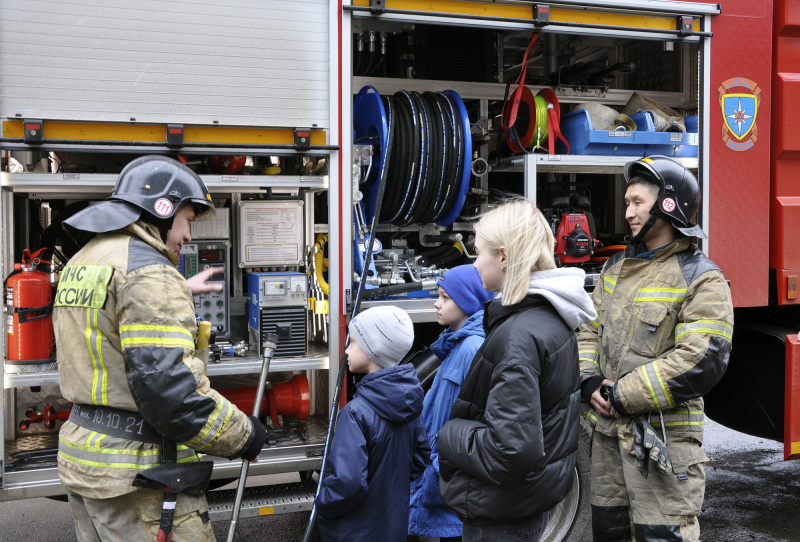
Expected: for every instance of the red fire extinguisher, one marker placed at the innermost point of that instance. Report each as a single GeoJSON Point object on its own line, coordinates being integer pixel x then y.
{"type": "Point", "coordinates": [29, 309]}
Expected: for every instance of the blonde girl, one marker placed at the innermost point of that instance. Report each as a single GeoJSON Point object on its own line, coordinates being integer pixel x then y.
{"type": "Point", "coordinates": [507, 454]}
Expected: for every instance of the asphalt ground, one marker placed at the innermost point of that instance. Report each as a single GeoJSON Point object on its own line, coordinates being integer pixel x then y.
{"type": "Point", "coordinates": [752, 495]}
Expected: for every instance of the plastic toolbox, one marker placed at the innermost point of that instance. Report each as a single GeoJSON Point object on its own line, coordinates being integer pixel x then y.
{"type": "Point", "coordinates": [645, 141]}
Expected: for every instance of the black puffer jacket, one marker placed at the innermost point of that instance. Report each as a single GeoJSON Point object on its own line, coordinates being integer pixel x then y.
{"type": "Point", "coordinates": [509, 449]}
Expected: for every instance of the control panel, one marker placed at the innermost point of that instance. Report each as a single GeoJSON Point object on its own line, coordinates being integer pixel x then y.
{"type": "Point", "coordinates": [278, 303]}
{"type": "Point", "coordinates": [211, 306]}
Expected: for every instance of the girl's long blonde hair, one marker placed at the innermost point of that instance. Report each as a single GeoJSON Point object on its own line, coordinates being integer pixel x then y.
{"type": "Point", "coordinates": [521, 228]}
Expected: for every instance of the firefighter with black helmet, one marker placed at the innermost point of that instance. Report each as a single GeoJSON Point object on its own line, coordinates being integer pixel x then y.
{"type": "Point", "coordinates": [661, 340]}
{"type": "Point", "coordinates": [143, 410]}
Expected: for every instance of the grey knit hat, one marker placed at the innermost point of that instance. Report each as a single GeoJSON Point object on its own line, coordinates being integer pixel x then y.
{"type": "Point", "coordinates": [384, 333]}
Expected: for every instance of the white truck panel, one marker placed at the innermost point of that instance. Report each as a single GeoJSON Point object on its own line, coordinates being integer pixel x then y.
{"type": "Point", "coordinates": [192, 62]}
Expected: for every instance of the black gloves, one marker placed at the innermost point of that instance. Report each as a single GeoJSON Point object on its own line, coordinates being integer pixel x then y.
{"type": "Point", "coordinates": [253, 448]}
{"type": "Point", "coordinates": [648, 447]}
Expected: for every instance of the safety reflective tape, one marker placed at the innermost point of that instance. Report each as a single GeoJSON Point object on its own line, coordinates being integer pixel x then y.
{"type": "Point", "coordinates": [682, 417]}
{"type": "Point", "coordinates": [94, 342]}
{"type": "Point", "coordinates": [657, 386]}
{"type": "Point", "coordinates": [660, 294]}
{"type": "Point", "coordinates": [711, 327]}
{"type": "Point", "coordinates": [609, 284]}
{"type": "Point", "coordinates": [589, 355]}
{"type": "Point", "coordinates": [596, 322]}
{"type": "Point", "coordinates": [153, 335]}
{"type": "Point", "coordinates": [94, 438]}
{"type": "Point", "coordinates": [83, 286]}
{"type": "Point", "coordinates": [116, 458]}
{"type": "Point", "coordinates": [215, 423]}
{"type": "Point", "coordinates": [591, 416]}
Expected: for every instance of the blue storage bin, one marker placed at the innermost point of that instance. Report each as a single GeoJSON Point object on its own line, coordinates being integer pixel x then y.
{"type": "Point", "coordinates": [645, 141]}
{"type": "Point", "coordinates": [577, 129]}
{"type": "Point", "coordinates": [676, 143]}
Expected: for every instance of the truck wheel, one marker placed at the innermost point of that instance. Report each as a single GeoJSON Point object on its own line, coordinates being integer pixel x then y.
{"type": "Point", "coordinates": [570, 518]}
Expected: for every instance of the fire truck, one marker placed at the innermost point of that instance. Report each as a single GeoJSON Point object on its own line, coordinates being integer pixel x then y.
{"type": "Point", "coordinates": [318, 125]}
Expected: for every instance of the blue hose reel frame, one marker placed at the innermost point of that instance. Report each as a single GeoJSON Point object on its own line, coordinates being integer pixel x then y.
{"type": "Point", "coordinates": [370, 122]}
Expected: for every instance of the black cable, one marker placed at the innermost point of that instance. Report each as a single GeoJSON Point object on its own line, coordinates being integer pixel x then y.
{"type": "Point", "coordinates": [411, 177]}
{"type": "Point", "coordinates": [423, 171]}
{"type": "Point", "coordinates": [377, 293]}
{"type": "Point", "coordinates": [429, 179]}
{"type": "Point", "coordinates": [437, 164]}
{"type": "Point", "coordinates": [428, 257]}
{"type": "Point", "coordinates": [458, 148]}
{"type": "Point", "coordinates": [449, 155]}
{"type": "Point", "coordinates": [397, 164]}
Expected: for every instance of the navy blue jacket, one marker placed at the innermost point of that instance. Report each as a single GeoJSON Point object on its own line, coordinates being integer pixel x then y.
{"type": "Point", "coordinates": [429, 516]}
{"type": "Point", "coordinates": [378, 448]}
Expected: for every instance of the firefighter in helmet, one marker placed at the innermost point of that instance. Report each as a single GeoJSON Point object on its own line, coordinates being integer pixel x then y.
{"type": "Point", "coordinates": [661, 340]}
{"type": "Point", "coordinates": [143, 409]}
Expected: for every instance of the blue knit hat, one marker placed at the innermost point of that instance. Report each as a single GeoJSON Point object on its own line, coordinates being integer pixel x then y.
{"type": "Point", "coordinates": [464, 286]}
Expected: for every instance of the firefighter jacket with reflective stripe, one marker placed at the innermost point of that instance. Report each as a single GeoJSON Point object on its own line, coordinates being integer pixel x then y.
{"type": "Point", "coordinates": [125, 328]}
{"type": "Point", "coordinates": [663, 333]}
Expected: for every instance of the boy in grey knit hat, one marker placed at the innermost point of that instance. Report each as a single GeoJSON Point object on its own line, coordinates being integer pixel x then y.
{"type": "Point", "coordinates": [380, 442]}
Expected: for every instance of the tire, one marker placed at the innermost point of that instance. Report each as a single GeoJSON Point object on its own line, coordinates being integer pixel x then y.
{"type": "Point", "coordinates": [571, 518]}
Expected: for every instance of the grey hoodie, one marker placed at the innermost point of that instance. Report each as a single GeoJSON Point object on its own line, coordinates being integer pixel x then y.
{"type": "Point", "coordinates": [563, 288]}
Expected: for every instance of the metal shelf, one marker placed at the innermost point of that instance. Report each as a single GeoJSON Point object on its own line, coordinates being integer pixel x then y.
{"type": "Point", "coordinates": [72, 185]}
{"type": "Point", "coordinates": [316, 359]}
{"type": "Point", "coordinates": [496, 91]}
{"type": "Point", "coordinates": [420, 310]}
{"type": "Point", "coordinates": [563, 163]}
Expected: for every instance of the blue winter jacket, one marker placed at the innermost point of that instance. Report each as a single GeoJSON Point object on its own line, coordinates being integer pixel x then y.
{"type": "Point", "coordinates": [428, 515]}
{"type": "Point", "coordinates": [378, 448]}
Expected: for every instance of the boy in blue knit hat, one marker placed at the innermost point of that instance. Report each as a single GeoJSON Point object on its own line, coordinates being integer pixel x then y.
{"type": "Point", "coordinates": [460, 307]}
{"type": "Point", "coordinates": [380, 443]}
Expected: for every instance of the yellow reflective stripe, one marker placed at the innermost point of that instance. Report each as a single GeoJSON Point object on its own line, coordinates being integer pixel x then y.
{"type": "Point", "coordinates": [151, 327]}
{"type": "Point", "coordinates": [664, 387]}
{"type": "Point", "coordinates": [673, 290]}
{"type": "Point", "coordinates": [224, 405]}
{"type": "Point", "coordinates": [596, 322]}
{"type": "Point", "coordinates": [94, 338]}
{"type": "Point", "coordinates": [590, 416]}
{"type": "Point", "coordinates": [150, 458]}
{"type": "Point", "coordinates": [660, 294]}
{"type": "Point", "coordinates": [107, 465]}
{"type": "Point", "coordinates": [712, 327]}
{"type": "Point", "coordinates": [681, 418]}
{"type": "Point", "coordinates": [646, 378]}
{"type": "Point", "coordinates": [110, 451]}
{"type": "Point", "coordinates": [89, 439]}
{"type": "Point", "coordinates": [89, 463]}
{"type": "Point", "coordinates": [131, 335]}
{"type": "Point", "coordinates": [157, 341]}
{"type": "Point", "coordinates": [609, 281]}
{"type": "Point", "coordinates": [589, 355]}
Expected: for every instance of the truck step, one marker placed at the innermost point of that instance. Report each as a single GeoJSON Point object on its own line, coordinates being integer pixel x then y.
{"type": "Point", "coordinates": [262, 501]}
